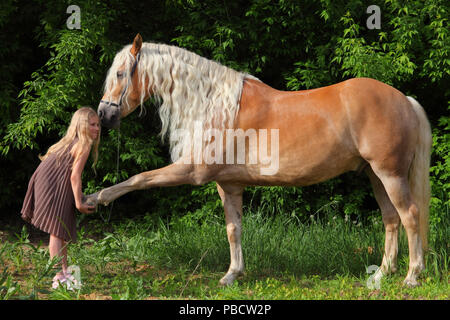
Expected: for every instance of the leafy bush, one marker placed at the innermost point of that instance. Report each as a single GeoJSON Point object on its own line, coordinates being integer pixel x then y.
{"type": "Point", "coordinates": [288, 44]}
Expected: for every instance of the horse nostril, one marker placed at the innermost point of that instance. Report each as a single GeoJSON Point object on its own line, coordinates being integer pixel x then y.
{"type": "Point", "coordinates": [100, 114]}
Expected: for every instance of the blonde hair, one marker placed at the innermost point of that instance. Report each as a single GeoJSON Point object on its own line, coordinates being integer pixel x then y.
{"type": "Point", "coordinates": [78, 128]}
{"type": "Point", "coordinates": [192, 88]}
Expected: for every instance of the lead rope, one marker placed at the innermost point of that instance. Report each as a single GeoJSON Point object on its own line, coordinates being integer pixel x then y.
{"type": "Point", "coordinates": [117, 176]}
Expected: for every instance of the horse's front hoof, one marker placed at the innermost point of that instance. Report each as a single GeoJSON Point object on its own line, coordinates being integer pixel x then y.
{"type": "Point", "coordinates": [91, 200]}
{"type": "Point", "coordinates": [229, 278]}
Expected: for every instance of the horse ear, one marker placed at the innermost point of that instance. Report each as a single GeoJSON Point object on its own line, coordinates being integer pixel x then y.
{"type": "Point", "coordinates": [137, 44]}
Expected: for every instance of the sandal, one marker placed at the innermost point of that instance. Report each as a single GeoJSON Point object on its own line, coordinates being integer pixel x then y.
{"type": "Point", "coordinates": [73, 278]}
{"type": "Point", "coordinates": [58, 280]}
{"type": "Point", "coordinates": [67, 279]}
{"type": "Point", "coordinates": [72, 283]}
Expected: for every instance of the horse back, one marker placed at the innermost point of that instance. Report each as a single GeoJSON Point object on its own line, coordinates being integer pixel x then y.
{"type": "Point", "coordinates": [327, 131]}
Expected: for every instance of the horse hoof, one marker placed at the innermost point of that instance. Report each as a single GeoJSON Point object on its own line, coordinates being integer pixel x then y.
{"type": "Point", "coordinates": [411, 283]}
{"type": "Point", "coordinates": [227, 280]}
{"type": "Point", "coordinates": [91, 200]}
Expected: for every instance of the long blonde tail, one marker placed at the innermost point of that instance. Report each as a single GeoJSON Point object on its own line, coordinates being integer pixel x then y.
{"type": "Point", "coordinates": [419, 174]}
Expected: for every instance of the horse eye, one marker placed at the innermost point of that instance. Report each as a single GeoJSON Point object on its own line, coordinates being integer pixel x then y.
{"type": "Point", "coordinates": [119, 74]}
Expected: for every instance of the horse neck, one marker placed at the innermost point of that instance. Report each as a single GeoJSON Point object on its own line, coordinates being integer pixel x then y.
{"type": "Point", "coordinates": [199, 89]}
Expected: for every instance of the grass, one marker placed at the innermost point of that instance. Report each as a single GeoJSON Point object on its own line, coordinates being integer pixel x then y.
{"type": "Point", "coordinates": [185, 258]}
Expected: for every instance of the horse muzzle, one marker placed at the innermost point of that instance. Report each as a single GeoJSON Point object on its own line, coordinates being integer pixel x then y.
{"type": "Point", "coordinates": [109, 114]}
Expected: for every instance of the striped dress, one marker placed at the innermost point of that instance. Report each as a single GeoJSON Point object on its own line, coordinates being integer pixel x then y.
{"type": "Point", "coordinates": [49, 203]}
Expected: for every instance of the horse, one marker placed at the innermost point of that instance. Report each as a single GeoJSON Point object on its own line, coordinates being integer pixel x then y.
{"type": "Point", "coordinates": [359, 124]}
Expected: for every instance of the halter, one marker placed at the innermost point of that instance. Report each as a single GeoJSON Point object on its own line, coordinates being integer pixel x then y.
{"type": "Point", "coordinates": [119, 105]}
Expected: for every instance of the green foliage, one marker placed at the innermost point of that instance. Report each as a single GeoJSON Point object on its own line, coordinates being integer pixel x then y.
{"type": "Point", "coordinates": [7, 287]}
{"type": "Point", "coordinates": [441, 169]}
{"type": "Point", "coordinates": [440, 182]}
{"type": "Point", "coordinates": [291, 45]}
{"type": "Point", "coordinates": [285, 259]}
{"type": "Point", "coordinates": [65, 81]}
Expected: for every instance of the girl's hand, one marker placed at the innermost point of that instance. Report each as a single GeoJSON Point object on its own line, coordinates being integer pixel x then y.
{"type": "Point", "coordinates": [85, 208]}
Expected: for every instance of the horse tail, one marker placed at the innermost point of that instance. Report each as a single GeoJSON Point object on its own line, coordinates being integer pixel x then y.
{"type": "Point", "coordinates": [419, 172]}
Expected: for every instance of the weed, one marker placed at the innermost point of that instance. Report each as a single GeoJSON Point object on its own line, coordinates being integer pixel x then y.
{"type": "Point", "coordinates": [185, 257]}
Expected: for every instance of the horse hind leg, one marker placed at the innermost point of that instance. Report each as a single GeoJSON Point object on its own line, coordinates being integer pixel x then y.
{"type": "Point", "coordinates": [391, 222]}
{"type": "Point", "coordinates": [231, 197]}
{"type": "Point", "coordinates": [398, 190]}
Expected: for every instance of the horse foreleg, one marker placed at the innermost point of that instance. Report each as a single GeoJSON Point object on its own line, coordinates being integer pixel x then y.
{"type": "Point", "coordinates": [232, 202]}
{"type": "Point", "coordinates": [172, 175]}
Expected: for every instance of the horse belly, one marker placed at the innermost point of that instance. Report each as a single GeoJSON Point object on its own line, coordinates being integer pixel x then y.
{"type": "Point", "coordinates": [312, 149]}
{"type": "Point", "coordinates": [314, 139]}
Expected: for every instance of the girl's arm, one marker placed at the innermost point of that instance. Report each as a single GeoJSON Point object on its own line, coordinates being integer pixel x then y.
{"type": "Point", "coordinates": [75, 179]}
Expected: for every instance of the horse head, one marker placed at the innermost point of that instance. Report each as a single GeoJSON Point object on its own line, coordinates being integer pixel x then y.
{"type": "Point", "coordinates": [122, 87]}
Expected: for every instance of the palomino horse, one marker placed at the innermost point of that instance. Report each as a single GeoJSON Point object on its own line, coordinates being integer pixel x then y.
{"type": "Point", "coordinates": [315, 135]}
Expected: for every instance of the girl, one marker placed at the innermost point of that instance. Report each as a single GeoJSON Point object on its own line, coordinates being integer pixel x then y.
{"type": "Point", "coordinates": [54, 189]}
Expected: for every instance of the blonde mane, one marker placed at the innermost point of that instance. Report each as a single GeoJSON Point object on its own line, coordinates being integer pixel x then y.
{"type": "Point", "coordinates": [192, 89]}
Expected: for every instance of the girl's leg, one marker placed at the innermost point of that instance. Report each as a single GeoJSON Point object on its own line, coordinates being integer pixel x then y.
{"type": "Point", "coordinates": [57, 247]}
